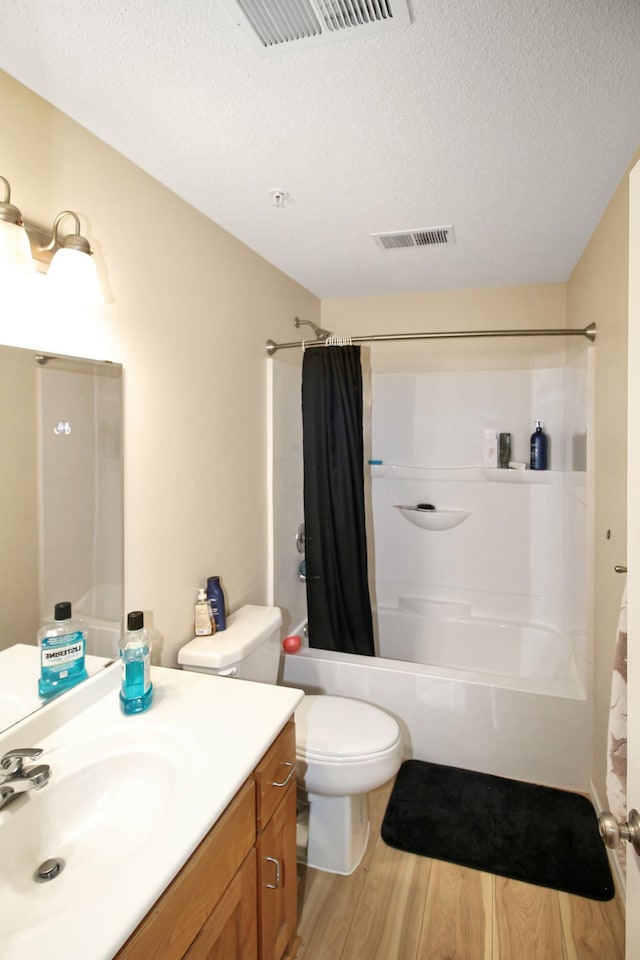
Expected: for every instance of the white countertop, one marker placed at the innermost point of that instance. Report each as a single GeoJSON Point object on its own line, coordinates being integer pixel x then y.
{"type": "Point", "coordinates": [220, 727]}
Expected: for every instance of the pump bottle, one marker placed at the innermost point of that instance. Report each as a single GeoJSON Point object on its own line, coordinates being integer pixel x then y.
{"type": "Point", "coordinates": [205, 625]}
{"type": "Point", "coordinates": [538, 448]}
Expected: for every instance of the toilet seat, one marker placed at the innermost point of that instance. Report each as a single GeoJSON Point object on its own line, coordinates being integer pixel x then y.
{"type": "Point", "coordinates": [342, 730]}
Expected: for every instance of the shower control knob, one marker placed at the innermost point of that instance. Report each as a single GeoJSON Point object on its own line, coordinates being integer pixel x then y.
{"type": "Point", "coordinates": [613, 832]}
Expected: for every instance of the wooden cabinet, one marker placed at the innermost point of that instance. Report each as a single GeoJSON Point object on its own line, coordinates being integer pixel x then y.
{"type": "Point", "coordinates": [276, 847]}
{"type": "Point", "coordinates": [231, 930]}
{"type": "Point", "coordinates": [236, 897]}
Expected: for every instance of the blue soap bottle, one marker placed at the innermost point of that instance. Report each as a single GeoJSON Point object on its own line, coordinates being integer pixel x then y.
{"type": "Point", "coordinates": [215, 597]}
{"type": "Point", "coordinates": [539, 448]}
{"type": "Point", "coordinates": [62, 646]}
{"type": "Point", "coordinates": [136, 689]}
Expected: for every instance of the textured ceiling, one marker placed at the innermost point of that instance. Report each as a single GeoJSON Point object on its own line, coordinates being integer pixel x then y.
{"type": "Point", "coordinates": [513, 120]}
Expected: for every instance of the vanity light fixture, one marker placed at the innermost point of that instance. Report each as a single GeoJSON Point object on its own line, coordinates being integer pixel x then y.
{"type": "Point", "coordinates": [66, 259]}
{"type": "Point", "coordinates": [15, 251]}
{"type": "Point", "coordinates": [72, 273]}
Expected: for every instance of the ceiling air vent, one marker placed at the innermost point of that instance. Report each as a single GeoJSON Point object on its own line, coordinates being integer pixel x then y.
{"type": "Point", "coordinates": [425, 237]}
{"type": "Point", "coordinates": [270, 26]}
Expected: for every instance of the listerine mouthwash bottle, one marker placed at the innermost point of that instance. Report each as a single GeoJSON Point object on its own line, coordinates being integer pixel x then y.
{"type": "Point", "coordinates": [62, 645]}
{"type": "Point", "coordinates": [136, 689]}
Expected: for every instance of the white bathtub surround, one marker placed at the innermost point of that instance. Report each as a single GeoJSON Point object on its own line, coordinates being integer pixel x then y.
{"type": "Point", "coordinates": [447, 635]}
{"type": "Point", "coordinates": [495, 607]}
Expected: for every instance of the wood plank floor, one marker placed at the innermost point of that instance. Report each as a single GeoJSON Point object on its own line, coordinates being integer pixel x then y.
{"type": "Point", "coordinates": [397, 906]}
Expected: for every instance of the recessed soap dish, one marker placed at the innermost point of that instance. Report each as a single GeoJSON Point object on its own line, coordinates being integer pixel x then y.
{"type": "Point", "coordinates": [435, 519]}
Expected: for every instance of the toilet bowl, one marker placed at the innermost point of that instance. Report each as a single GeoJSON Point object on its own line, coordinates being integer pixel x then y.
{"type": "Point", "coordinates": [344, 748]}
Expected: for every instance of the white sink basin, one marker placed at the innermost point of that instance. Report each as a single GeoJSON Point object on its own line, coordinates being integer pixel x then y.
{"type": "Point", "coordinates": [104, 803]}
{"type": "Point", "coordinates": [128, 800]}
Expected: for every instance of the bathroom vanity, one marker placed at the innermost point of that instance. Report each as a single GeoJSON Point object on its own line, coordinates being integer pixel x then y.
{"type": "Point", "coordinates": [235, 898]}
{"type": "Point", "coordinates": [175, 828]}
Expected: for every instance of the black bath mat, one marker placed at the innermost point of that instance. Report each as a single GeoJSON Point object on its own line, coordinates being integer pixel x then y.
{"type": "Point", "coordinates": [519, 830]}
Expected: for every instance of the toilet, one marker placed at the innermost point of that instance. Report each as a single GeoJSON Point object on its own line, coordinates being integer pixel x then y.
{"type": "Point", "coordinates": [344, 748]}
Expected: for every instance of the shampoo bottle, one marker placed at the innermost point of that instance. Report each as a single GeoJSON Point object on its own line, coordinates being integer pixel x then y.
{"type": "Point", "coordinates": [490, 449]}
{"type": "Point", "coordinates": [136, 689]}
{"type": "Point", "coordinates": [538, 448]}
{"type": "Point", "coordinates": [216, 599]}
{"type": "Point", "coordinates": [205, 625]}
{"type": "Point", "coordinates": [62, 645]}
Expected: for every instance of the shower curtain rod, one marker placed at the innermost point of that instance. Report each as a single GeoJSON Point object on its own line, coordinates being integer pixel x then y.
{"type": "Point", "coordinates": [589, 332]}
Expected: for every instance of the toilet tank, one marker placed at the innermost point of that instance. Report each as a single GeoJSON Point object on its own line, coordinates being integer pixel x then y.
{"type": "Point", "coordinates": [248, 649]}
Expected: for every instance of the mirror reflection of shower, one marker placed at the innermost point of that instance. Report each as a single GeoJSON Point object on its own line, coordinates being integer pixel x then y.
{"type": "Point", "coordinates": [321, 334]}
{"type": "Point", "coordinates": [80, 477]}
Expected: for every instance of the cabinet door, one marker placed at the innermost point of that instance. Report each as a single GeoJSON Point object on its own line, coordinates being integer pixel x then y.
{"type": "Point", "coordinates": [277, 881]}
{"type": "Point", "coordinates": [231, 932]}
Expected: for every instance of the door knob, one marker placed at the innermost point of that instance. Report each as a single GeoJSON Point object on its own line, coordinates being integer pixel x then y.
{"type": "Point", "coordinates": [613, 832]}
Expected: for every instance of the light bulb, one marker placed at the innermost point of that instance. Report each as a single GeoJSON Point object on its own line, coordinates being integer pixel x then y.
{"type": "Point", "coordinates": [73, 277]}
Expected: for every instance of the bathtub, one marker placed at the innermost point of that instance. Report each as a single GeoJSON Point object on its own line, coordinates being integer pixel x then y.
{"type": "Point", "coordinates": [497, 697]}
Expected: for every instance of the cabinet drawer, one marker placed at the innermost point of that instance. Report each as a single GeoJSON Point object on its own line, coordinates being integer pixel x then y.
{"type": "Point", "coordinates": [274, 773]}
{"type": "Point", "coordinates": [173, 923]}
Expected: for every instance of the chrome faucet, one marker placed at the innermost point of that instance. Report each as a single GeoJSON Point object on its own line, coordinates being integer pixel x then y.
{"type": "Point", "coordinates": [15, 778]}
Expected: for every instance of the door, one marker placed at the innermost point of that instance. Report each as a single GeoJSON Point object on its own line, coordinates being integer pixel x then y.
{"type": "Point", "coordinates": [633, 554]}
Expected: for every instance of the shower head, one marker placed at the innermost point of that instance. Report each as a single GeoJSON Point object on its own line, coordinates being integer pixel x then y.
{"type": "Point", "coordinates": [319, 332]}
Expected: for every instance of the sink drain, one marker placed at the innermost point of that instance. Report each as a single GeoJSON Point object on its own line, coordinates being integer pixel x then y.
{"type": "Point", "coordinates": [49, 870]}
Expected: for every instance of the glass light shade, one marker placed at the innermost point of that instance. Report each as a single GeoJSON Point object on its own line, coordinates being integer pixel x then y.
{"type": "Point", "coordinates": [73, 278]}
{"type": "Point", "coordinates": [15, 251]}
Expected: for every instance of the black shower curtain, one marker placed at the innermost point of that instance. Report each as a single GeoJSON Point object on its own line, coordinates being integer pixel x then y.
{"type": "Point", "coordinates": [338, 605]}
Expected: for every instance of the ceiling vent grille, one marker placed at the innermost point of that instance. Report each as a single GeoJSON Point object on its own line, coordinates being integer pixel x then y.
{"type": "Point", "coordinates": [423, 237]}
{"type": "Point", "coordinates": [270, 26]}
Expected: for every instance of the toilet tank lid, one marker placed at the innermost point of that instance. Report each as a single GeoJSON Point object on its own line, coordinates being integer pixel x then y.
{"type": "Point", "coordinates": [246, 629]}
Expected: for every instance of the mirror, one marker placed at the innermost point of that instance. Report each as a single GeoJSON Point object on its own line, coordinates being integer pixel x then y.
{"type": "Point", "coordinates": [61, 510]}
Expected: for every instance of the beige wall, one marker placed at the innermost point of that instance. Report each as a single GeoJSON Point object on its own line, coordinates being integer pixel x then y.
{"type": "Point", "coordinates": [597, 291]}
{"type": "Point", "coordinates": [191, 308]}
{"type": "Point", "coordinates": [536, 306]}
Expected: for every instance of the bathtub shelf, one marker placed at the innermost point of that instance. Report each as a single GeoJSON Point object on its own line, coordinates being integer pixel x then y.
{"type": "Point", "coordinates": [433, 519]}
{"type": "Point", "coordinates": [470, 474]}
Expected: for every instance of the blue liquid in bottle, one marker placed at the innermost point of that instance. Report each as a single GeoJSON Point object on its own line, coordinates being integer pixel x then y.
{"type": "Point", "coordinates": [62, 646]}
{"type": "Point", "coordinates": [136, 689]}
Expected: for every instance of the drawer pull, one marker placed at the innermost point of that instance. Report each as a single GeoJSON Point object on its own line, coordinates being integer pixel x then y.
{"type": "Point", "coordinates": [274, 886]}
{"type": "Point", "coordinates": [283, 783]}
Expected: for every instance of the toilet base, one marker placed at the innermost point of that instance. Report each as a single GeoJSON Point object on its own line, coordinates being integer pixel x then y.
{"type": "Point", "coordinates": [338, 831]}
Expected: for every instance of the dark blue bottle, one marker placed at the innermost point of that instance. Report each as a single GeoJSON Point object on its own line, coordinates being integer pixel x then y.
{"type": "Point", "coordinates": [538, 448]}
{"type": "Point", "coordinates": [215, 597]}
